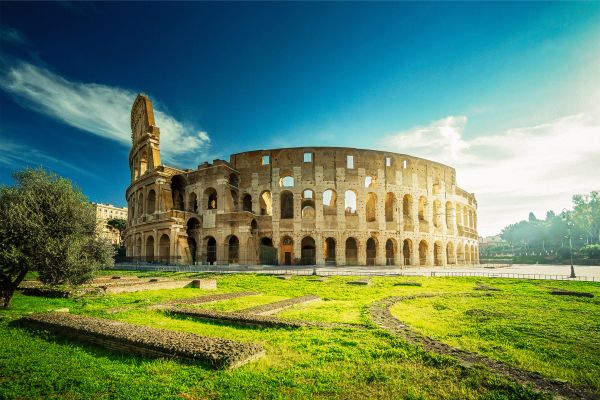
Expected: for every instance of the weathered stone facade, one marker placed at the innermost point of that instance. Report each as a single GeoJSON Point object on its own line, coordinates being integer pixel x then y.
{"type": "Point", "coordinates": [310, 205]}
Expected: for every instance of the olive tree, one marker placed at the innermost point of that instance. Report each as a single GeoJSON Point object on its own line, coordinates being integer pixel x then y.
{"type": "Point", "coordinates": [48, 226]}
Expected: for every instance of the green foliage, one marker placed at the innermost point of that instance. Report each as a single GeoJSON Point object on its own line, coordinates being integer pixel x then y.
{"type": "Point", "coordinates": [591, 251]}
{"type": "Point", "coordinates": [307, 363]}
{"type": "Point", "coordinates": [48, 226]}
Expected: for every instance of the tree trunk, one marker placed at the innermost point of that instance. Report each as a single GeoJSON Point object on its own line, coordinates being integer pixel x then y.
{"type": "Point", "coordinates": [8, 287]}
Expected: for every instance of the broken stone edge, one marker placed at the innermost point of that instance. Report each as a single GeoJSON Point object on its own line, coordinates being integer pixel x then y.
{"type": "Point", "coordinates": [146, 341]}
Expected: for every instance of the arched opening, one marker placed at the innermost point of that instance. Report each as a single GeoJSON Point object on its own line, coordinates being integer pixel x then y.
{"type": "Point", "coordinates": [143, 162]}
{"type": "Point", "coordinates": [287, 250]}
{"type": "Point", "coordinates": [329, 202]}
{"type": "Point", "coordinates": [371, 251]}
{"type": "Point", "coordinates": [177, 190]}
{"type": "Point", "coordinates": [286, 181]}
{"type": "Point", "coordinates": [390, 207]}
{"type": "Point", "coordinates": [449, 214]}
{"type": "Point", "coordinates": [266, 203]}
{"type": "Point", "coordinates": [407, 211]}
{"type": "Point", "coordinates": [234, 180]}
{"type": "Point", "coordinates": [437, 213]}
{"type": "Point", "coordinates": [253, 227]}
{"type": "Point", "coordinates": [438, 255]}
{"type": "Point", "coordinates": [150, 249]}
{"type": "Point", "coordinates": [211, 250]}
{"type": "Point", "coordinates": [233, 250]}
{"type": "Point", "coordinates": [308, 204]}
{"type": "Point", "coordinates": [140, 205]}
{"type": "Point", "coordinates": [390, 252]}
{"type": "Point", "coordinates": [193, 203]}
{"type": "Point", "coordinates": [371, 207]}
{"type": "Point", "coordinates": [287, 205]}
{"type": "Point", "coordinates": [210, 198]}
{"type": "Point", "coordinates": [370, 181]}
{"type": "Point", "coordinates": [350, 202]}
{"type": "Point", "coordinates": [193, 227]}
{"type": "Point", "coordinates": [329, 251]}
{"type": "Point", "coordinates": [267, 254]}
{"type": "Point", "coordinates": [423, 248]}
{"type": "Point", "coordinates": [422, 206]}
{"type": "Point", "coordinates": [406, 251]}
{"type": "Point", "coordinates": [308, 251]}
{"type": "Point", "coordinates": [193, 249]}
{"type": "Point", "coordinates": [351, 251]}
{"type": "Point", "coordinates": [247, 203]}
{"type": "Point", "coordinates": [151, 202]}
{"type": "Point", "coordinates": [164, 248]}
{"type": "Point", "coordinates": [450, 255]}
{"type": "Point", "coordinates": [232, 204]}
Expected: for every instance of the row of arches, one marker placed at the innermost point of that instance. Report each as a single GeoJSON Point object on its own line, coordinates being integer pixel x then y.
{"type": "Point", "coordinates": [151, 251]}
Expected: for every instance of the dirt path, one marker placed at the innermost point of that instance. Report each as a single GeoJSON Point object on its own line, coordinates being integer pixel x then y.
{"type": "Point", "coordinates": [381, 315]}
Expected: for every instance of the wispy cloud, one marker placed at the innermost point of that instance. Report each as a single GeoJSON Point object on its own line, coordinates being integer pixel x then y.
{"type": "Point", "coordinates": [15, 155]}
{"type": "Point", "coordinates": [11, 35]}
{"type": "Point", "coordinates": [525, 169]}
{"type": "Point", "coordinates": [98, 109]}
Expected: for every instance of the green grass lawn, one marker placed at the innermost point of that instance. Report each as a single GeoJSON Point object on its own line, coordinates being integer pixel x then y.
{"type": "Point", "coordinates": [315, 362]}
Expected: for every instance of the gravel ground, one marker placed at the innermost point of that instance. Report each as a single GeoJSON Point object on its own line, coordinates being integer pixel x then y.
{"type": "Point", "coordinates": [219, 353]}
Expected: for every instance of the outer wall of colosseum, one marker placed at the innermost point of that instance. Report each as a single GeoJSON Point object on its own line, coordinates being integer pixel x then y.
{"type": "Point", "coordinates": [310, 205]}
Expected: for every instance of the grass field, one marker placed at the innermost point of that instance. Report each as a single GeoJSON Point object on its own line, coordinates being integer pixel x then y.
{"type": "Point", "coordinates": [522, 324]}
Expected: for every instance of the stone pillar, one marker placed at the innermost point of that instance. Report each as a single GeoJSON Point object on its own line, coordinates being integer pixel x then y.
{"type": "Point", "coordinates": [380, 258]}
{"type": "Point", "coordinates": [319, 249]}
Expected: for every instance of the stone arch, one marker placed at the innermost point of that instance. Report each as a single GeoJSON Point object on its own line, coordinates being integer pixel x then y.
{"type": "Point", "coordinates": [247, 202]}
{"type": "Point", "coordinates": [210, 198]}
{"type": "Point", "coordinates": [371, 251]}
{"type": "Point", "coordinates": [192, 228]}
{"type": "Point", "coordinates": [233, 249]}
{"type": "Point", "coordinates": [370, 181]}
{"type": "Point", "coordinates": [266, 203]}
{"type": "Point", "coordinates": [138, 247]}
{"type": "Point", "coordinates": [407, 251]}
{"type": "Point", "coordinates": [286, 181]}
{"type": "Point", "coordinates": [267, 254]}
{"type": "Point", "coordinates": [438, 254]}
{"type": "Point", "coordinates": [423, 249]}
{"type": "Point", "coordinates": [329, 202]}
{"type": "Point", "coordinates": [151, 202]}
{"type": "Point", "coordinates": [287, 250]}
{"type": "Point", "coordinates": [390, 207]}
{"type": "Point", "coordinates": [371, 207]}
{"type": "Point", "coordinates": [308, 204]}
{"type": "Point", "coordinates": [351, 251]}
{"type": "Point", "coordinates": [211, 249]}
{"type": "Point", "coordinates": [286, 200]}
{"type": "Point", "coordinates": [450, 254]}
{"type": "Point", "coordinates": [164, 248]}
{"type": "Point", "coordinates": [193, 202]}
{"type": "Point", "coordinates": [234, 179]}
{"type": "Point", "coordinates": [253, 226]}
{"type": "Point", "coordinates": [329, 251]}
{"type": "Point", "coordinates": [390, 252]}
{"type": "Point", "coordinates": [350, 202]}
{"type": "Point", "coordinates": [177, 191]}
{"type": "Point", "coordinates": [460, 253]}
{"type": "Point", "coordinates": [150, 248]}
{"type": "Point", "coordinates": [308, 251]}
{"type": "Point", "coordinates": [407, 204]}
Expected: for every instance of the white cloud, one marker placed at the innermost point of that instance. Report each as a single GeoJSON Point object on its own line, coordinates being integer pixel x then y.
{"type": "Point", "coordinates": [98, 109]}
{"type": "Point", "coordinates": [535, 168]}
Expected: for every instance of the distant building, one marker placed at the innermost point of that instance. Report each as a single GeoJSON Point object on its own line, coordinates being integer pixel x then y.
{"type": "Point", "coordinates": [104, 213]}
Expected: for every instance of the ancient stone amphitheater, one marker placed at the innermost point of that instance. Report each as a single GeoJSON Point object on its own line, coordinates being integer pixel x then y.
{"type": "Point", "coordinates": [309, 205]}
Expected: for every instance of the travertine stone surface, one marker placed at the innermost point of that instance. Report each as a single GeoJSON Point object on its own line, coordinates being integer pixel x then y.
{"type": "Point", "coordinates": [309, 205]}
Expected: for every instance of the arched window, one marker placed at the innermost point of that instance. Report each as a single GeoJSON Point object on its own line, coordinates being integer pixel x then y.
{"type": "Point", "coordinates": [438, 254]}
{"type": "Point", "coordinates": [151, 202]}
{"type": "Point", "coordinates": [422, 207]}
{"type": "Point", "coordinates": [287, 250]}
{"type": "Point", "coordinates": [351, 251]}
{"type": "Point", "coordinates": [287, 205]}
{"type": "Point", "coordinates": [211, 250]}
{"type": "Point", "coordinates": [210, 199]}
{"type": "Point", "coordinates": [286, 181]}
{"type": "Point", "coordinates": [150, 249]}
{"type": "Point", "coordinates": [247, 203]}
{"type": "Point", "coordinates": [390, 207]}
{"type": "Point", "coordinates": [266, 204]}
{"type": "Point", "coordinates": [308, 204]}
{"type": "Point", "coordinates": [330, 251]}
{"type": "Point", "coordinates": [390, 252]}
{"type": "Point", "coordinates": [234, 180]}
{"type": "Point", "coordinates": [329, 202]}
{"type": "Point", "coordinates": [423, 247]}
{"type": "Point", "coordinates": [406, 251]}
{"type": "Point", "coordinates": [350, 202]}
{"type": "Point", "coordinates": [177, 191]}
{"type": "Point", "coordinates": [233, 250]}
{"type": "Point", "coordinates": [193, 203]}
{"type": "Point", "coordinates": [164, 248]}
{"type": "Point", "coordinates": [450, 255]}
{"type": "Point", "coordinates": [143, 162]}
{"type": "Point", "coordinates": [308, 251]}
{"type": "Point", "coordinates": [371, 251]}
{"type": "Point", "coordinates": [371, 207]}
{"type": "Point", "coordinates": [370, 181]}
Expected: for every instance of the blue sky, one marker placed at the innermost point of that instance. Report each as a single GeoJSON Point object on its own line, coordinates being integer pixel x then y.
{"type": "Point", "coordinates": [507, 93]}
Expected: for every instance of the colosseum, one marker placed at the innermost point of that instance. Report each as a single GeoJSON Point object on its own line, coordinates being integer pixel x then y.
{"type": "Point", "coordinates": [295, 206]}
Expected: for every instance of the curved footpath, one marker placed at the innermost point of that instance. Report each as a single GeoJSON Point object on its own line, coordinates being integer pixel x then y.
{"type": "Point", "coordinates": [382, 316]}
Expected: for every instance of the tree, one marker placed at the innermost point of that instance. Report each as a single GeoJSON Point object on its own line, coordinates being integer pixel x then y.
{"type": "Point", "coordinates": [48, 226]}
{"type": "Point", "coordinates": [119, 224]}
{"type": "Point", "coordinates": [586, 215]}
